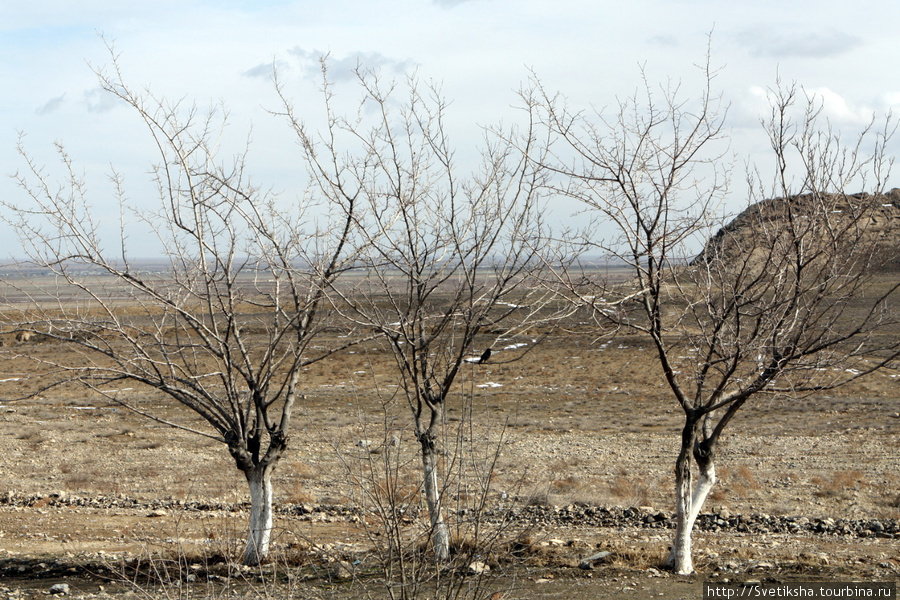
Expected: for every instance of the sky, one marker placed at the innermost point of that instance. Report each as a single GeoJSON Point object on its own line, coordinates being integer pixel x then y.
{"type": "Point", "coordinates": [479, 51]}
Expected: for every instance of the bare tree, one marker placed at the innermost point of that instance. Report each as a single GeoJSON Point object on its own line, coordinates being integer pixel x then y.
{"type": "Point", "coordinates": [225, 326]}
{"type": "Point", "coordinates": [779, 302]}
{"type": "Point", "coordinates": [448, 258]}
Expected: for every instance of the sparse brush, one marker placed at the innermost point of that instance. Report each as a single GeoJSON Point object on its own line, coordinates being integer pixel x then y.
{"type": "Point", "coordinates": [538, 496]}
{"type": "Point", "coordinates": [567, 485]}
{"type": "Point", "coordinates": [839, 485]}
{"type": "Point", "coordinates": [298, 494]}
{"type": "Point", "coordinates": [631, 490]}
{"type": "Point", "coordinates": [744, 472]}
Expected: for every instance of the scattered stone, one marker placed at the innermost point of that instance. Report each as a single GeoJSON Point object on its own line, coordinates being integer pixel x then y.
{"type": "Point", "coordinates": [478, 568]}
{"type": "Point", "coordinates": [59, 589]}
{"type": "Point", "coordinates": [591, 561]}
{"type": "Point", "coordinates": [342, 570]}
{"type": "Point", "coordinates": [157, 513]}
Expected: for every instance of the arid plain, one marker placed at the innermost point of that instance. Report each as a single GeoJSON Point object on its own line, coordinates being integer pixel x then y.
{"type": "Point", "coordinates": [576, 422]}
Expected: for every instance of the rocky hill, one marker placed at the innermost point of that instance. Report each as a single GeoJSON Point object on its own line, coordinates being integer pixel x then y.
{"type": "Point", "coordinates": [861, 219]}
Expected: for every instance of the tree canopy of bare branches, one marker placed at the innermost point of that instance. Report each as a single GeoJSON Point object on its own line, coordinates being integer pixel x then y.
{"type": "Point", "coordinates": [448, 258]}
{"type": "Point", "coordinates": [225, 326]}
{"type": "Point", "coordinates": [781, 302]}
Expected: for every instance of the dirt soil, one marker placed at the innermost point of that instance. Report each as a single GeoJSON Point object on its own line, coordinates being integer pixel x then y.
{"type": "Point", "coordinates": [576, 422]}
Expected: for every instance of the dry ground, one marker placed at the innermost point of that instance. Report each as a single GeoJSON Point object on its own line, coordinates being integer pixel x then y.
{"type": "Point", "coordinates": [575, 421]}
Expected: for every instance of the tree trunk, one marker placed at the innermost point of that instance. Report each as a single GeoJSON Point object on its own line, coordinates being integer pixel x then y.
{"type": "Point", "coordinates": [439, 532]}
{"type": "Point", "coordinates": [260, 481]}
{"type": "Point", "coordinates": [689, 502]}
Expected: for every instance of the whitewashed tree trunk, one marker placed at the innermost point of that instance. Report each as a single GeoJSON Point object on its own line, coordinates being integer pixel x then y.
{"type": "Point", "coordinates": [439, 531]}
{"type": "Point", "coordinates": [687, 510]}
{"type": "Point", "coordinates": [260, 534]}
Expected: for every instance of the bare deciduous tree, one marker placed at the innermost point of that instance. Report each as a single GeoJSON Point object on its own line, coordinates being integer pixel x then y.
{"type": "Point", "coordinates": [780, 302]}
{"type": "Point", "coordinates": [447, 258]}
{"type": "Point", "coordinates": [225, 326]}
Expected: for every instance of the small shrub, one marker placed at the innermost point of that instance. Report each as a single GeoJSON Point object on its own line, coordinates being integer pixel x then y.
{"type": "Point", "coordinates": [838, 485]}
{"type": "Point", "coordinates": [567, 485]}
{"type": "Point", "coordinates": [302, 470]}
{"type": "Point", "coordinates": [718, 495]}
{"type": "Point", "coordinates": [631, 490]}
{"type": "Point", "coordinates": [747, 475]}
{"type": "Point", "coordinates": [538, 496]}
{"type": "Point", "coordinates": [298, 494]}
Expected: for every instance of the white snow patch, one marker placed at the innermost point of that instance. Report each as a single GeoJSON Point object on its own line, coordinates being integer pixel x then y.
{"type": "Point", "coordinates": [511, 305]}
{"type": "Point", "coordinates": [515, 346]}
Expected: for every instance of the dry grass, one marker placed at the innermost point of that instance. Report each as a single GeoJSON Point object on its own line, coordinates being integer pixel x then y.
{"type": "Point", "coordinates": [299, 494]}
{"type": "Point", "coordinates": [568, 485]}
{"type": "Point", "coordinates": [631, 490]}
{"type": "Point", "coordinates": [742, 483]}
{"type": "Point", "coordinates": [839, 485]}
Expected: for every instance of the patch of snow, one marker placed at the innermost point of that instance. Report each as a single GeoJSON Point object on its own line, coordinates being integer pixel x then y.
{"type": "Point", "coordinates": [515, 346]}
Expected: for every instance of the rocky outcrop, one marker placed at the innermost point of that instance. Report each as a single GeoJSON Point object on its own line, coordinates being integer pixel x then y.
{"type": "Point", "coordinates": [876, 216]}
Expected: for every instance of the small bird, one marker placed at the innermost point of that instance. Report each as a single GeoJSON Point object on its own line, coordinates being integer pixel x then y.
{"type": "Point", "coordinates": [485, 356]}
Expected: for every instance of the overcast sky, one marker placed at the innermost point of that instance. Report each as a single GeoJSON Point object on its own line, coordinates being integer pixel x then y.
{"type": "Point", "coordinates": [480, 50]}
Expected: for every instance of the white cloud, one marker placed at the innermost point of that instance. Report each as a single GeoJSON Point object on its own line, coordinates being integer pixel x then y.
{"type": "Point", "coordinates": [664, 39]}
{"type": "Point", "coordinates": [98, 100]}
{"type": "Point", "coordinates": [842, 112]}
{"type": "Point", "coordinates": [786, 41]}
{"type": "Point", "coordinates": [50, 106]}
{"type": "Point", "coordinates": [839, 110]}
{"type": "Point", "coordinates": [891, 100]}
{"type": "Point", "coordinates": [265, 70]}
{"type": "Point", "coordinates": [344, 69]}
{"type": "Point", "coordinates": [450, 3]}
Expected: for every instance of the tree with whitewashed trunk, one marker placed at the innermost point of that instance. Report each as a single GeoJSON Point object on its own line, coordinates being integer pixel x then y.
{"type": "Point", "coordinates": [222, 324]}
{"type": "Point", "coordinates": [782, 301]}
{"type": "Point", "coordinates": [448, 256]}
